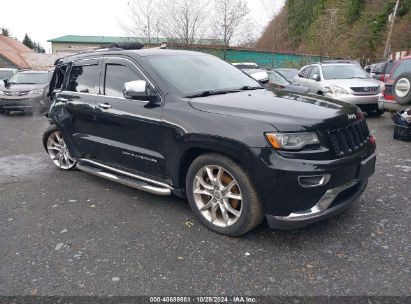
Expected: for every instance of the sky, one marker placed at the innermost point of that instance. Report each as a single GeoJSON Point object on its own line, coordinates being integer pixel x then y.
{"type": "Point", "coordinates": [47, 19]}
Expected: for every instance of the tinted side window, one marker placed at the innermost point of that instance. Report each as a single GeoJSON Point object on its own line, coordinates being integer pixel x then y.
{"type": "Point", "coordinates": [84, 79]}
{"type": "Point", "coordinates": [116, 76]}
{"type": "Point", "coordinates": [306, 72]}
{"type": "Point", "coordinates": [404, 66]}
{"type": "Point", "coordinates": [315, 70]}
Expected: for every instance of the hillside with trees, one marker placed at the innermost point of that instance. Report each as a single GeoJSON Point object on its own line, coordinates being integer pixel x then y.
{"type": "Point", "coordinates": [339, 28]}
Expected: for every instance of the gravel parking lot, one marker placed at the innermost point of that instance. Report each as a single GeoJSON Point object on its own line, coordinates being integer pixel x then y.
{"type": "Point", "coordinates": [70, 233]}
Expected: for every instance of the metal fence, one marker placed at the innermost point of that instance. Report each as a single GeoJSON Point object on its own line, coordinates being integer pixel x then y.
{"type": "Point", "coordinates": [262, 58]}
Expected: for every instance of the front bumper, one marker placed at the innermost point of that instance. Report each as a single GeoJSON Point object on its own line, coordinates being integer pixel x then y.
{"type": "Point", "coordinates": [24, 104]}
{"type": "Point", "coordinates": [356, 99]}
{"type": "Point", "coordinates": [286, 200]}
{"type": "Point", "coordinates": [330, 204]}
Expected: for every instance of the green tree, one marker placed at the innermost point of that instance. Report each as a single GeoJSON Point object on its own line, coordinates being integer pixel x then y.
{"type": "Point", "coordinates": [28, 42]}
{"type": "Point", "coordinates": [5, 32]}
{"type": "Point", "coordinates": [38, 48]}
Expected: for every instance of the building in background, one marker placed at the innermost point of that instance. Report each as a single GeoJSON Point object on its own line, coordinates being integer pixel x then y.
{"type": "Point", "coordinates": [14, 54]}
{"type": "Point", "coordinates": [74, 44]}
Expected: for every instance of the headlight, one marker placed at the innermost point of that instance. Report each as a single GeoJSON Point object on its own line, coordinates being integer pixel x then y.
{"type": "Point", "coordinates": [335, 90]}
{"type": "Point", "coordinates": [292, 141]}
{"type": "Point", "coordinates": [36, 92]}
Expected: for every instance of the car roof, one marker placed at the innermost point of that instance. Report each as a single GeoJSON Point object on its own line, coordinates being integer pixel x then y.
{"type": "Point", "coordinates": [285, 69]}
{"type": "Point", "coordinates": [245, 63]}
{"type": "Point", "coordinates": [33, 72]}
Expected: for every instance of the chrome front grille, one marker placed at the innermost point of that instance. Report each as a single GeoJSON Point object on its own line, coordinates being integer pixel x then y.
{"type": "Point", "coordinates": [365, 90]}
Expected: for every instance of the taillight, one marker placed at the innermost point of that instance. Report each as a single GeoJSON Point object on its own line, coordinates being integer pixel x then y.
{"type": "Point", "coordinates": [382, 77]}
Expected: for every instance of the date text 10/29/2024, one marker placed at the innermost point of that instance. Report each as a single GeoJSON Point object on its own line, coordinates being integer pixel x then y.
{"type": "Point", "coordinates": [206, 299]}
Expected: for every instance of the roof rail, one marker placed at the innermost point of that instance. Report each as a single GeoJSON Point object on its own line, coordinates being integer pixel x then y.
{"type": "Point", "coordinates": [126, 46]}
{"type": "Point", "coordinates": [340, 61]}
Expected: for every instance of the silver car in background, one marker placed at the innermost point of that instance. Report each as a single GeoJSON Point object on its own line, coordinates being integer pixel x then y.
{"type": "Point", "coordinates": [345, 81]}
{"type": "Point", "coordinates": [26, 92]}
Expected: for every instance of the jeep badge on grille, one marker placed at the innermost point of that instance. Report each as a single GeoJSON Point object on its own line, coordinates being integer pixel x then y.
{"type": "Point", "coordinates": [351, 116]}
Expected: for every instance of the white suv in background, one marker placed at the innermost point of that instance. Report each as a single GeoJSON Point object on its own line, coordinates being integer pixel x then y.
{"type": "Point", "coordinates": [343, 80]}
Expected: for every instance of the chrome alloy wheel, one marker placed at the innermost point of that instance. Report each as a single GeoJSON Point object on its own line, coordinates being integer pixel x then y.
{"type": "Point", "coordinates": [218, 196]}
{"type": "Point", "coordinates": [58, 152]}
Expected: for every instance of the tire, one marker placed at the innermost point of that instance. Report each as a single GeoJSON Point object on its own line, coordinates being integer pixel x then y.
{"type": "Point", "coordinates": [56, 148]}
{"type": "Point", "coordinates": [402, 89]}
{"type": "Point", "coordinates": [375, 113]}
{"type": "Point", "coordinates": [238, 200]}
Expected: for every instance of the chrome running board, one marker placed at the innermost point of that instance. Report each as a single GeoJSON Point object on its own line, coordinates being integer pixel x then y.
{"type": "Point", "coordinates": [123, 177]}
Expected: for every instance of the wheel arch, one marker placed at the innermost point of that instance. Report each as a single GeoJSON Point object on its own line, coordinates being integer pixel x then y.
{"type": "Point", "coordinates": [180, 162]}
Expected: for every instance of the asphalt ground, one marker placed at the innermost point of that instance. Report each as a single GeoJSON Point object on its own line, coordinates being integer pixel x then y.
{"type": "Point", "coordinates": [70, 233]}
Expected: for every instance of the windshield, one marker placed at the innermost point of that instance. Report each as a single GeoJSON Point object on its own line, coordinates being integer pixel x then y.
{"type": "Point", "coordinates": [30, 78]}
{"type": "Point", "coordinates": [194, 74]}
{"type": "Point", "coordinates": [340, 71]}
{"type": "Point", "coordinates": [6, 74]}
{"type": "Point", "coordinates": [289, 74]}
{"type": "Point", "coordinates": [277, 78]}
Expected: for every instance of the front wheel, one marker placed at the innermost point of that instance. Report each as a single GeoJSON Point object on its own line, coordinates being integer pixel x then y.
{"type": "Point", "coordinates": [57, 149]}
{"type": "Point", "coordinates": [222, 195]}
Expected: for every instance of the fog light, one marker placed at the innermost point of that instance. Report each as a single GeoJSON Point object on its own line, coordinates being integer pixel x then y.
{"type": "Point", "coordinates": [313, 180]}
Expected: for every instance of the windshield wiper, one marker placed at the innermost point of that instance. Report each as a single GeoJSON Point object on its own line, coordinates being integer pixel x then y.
{"type": "Point", "coordinates": [211, 92]}
{"type": "Point", "coordinates": [249, 88]}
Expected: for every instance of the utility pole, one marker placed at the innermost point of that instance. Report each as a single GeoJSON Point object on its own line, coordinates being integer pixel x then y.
{"type": "Point", "coordinates": [332, 27]}
{"type": "Point", "coordinates": [273, 29]}
{"type": "Point", "coordinates": [388, 42]}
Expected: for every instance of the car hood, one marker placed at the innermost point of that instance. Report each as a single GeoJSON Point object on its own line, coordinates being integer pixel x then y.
{"type": "Point", "coordinates": [285, 111]}
{"type": "Point", "coordinates": [349, 83]}
{"type": "Point", "coordinates": [23, 87]}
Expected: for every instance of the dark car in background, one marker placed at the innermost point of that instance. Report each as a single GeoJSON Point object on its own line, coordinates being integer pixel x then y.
{"type": "Point", "coordinates": [288, 74]}
{"type": "Point", "coordinates": [271, 79]}
{"type": "Point", "coordinates": [382, 70]}
{"type": "Point", "coordinates": [26, 92]}
{"type": "Point", "coordinates": [187, 123]}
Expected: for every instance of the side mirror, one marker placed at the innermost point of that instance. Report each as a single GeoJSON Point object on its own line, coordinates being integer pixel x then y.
{"type": "Point", "coordinates": [138, 89]}
{"type": "Point", "coordinates": [261, 77]}
{"type": "Point", "coordinates": [6, 82]}
{"type": "Point", "coordinates": [316, 77]}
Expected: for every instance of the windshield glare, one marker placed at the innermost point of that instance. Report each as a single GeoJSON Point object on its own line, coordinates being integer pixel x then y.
{"type": "Point", "coordinates": [6, 74]}
{"type": "Point", "coordinates": [344, 72]}
{"type": "Point", "coordinates": [199, 73]}
{"type": "Point", "coordinates": [29, 78]}
{"type": "Point", "coordinates": [289, 74]}
{"type": "Point", "coordinates": [277, 78]}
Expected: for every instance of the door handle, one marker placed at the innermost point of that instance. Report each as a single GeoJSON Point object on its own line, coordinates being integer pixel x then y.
{"type": "Point", "coordinates": [104, 106]}
{"type": "Point", "coordinates": [62, 99]}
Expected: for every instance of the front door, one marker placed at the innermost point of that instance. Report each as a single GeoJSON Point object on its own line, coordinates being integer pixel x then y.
{"type": "Point", "coordinates": [129, 131]}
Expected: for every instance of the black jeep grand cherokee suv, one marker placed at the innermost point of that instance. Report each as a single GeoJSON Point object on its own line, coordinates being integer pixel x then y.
{"type": "Point", "coordinates": [187, 123]}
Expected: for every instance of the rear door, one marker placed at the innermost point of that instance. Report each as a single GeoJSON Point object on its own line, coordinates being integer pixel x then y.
{"type": "Point", "coordinates": [129, 131]}
{"type": "Point", "coordinates": [78, 99]}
